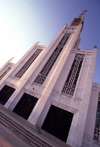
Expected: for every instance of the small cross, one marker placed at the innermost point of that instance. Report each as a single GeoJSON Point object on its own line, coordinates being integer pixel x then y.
{"type": "Point", "coordinates": [84, 11]}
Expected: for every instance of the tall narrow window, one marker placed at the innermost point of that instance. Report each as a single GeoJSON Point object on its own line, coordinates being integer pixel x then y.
{"type": "Point", "coordinates": [28, 63]}
{"type": "Point", "coordinates": [45, 71]}
{"type": "Point", "coordinates": [97, 124]}
{"type": "Point", "coordinates": [72, 78]}
{"type": "Point", "coordinates": [4, 73]}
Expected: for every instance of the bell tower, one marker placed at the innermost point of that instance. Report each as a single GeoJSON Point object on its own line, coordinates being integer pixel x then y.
{"type": "Point", "coordinates": [57, 54]}
{"type": "Point", "coordinates": [51, 85]}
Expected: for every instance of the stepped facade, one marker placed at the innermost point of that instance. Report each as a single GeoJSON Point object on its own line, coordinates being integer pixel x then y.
{"type": "Point", "coordinates": [49, 96]}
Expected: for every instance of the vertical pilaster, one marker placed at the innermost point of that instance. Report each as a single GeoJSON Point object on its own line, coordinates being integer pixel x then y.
{"type": "Point", "coordinates": [53, 78]}
{"type": "Point", "coordinates": [10, 104]}
{"type": "Point", "coordinates": [91, 117]}
{"type": "Point", "coordinates": [85, 102]}
{"type": "Point", "coordinates": [9, 61]}
{"type": "Point", "coordinates": [25, 78]}
{"type": "Point", "coordinates": [3, 69]}
{"type": "Point", "coordinates": [2, 82]}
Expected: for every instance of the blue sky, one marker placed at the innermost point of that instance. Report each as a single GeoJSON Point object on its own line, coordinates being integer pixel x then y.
{"type": "Point", "coordinates": [24, 22]}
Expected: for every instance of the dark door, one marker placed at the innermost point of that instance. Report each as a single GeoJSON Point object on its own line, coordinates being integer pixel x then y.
{"type": "Point", "coordinates": [25, 105]}
{"type": "Point", "coordinates": [5, 94]}
{"type": "Point", "coordinates": [58, 122]}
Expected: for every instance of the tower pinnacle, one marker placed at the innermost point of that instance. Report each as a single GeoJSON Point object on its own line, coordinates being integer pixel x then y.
{"type": "Point", "coordinates": [82, 15]}
{"type": "Point", "coordinates": [78, 20]}
{"type": "Point", "coordinates": [84, 11]}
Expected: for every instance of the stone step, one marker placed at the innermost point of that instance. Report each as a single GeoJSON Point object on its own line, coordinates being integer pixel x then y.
{"type": "Point", "coordinates": [53, 138]}
{"type": "Point", "coordinates": [28, 131]}
{"type": "Point", "coordinates": [19, 130]}
{"type": "Point", "coordinates": [16, 117]}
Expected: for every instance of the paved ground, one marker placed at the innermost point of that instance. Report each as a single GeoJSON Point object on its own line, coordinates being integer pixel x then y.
{"type": "Point", "coordinates": [8, 139]}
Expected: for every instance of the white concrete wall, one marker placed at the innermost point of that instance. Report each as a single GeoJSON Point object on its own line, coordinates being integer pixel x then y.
{"type": "Point", "coordinates": [54, 74]}
{"type": "Point", "coordinates": [50, 92]}
{"type": "Point", "coordinates": [3, 69]}
{"type": "Point", "coordinates": [74, 104]}
{"type": "Point", "coordinates": [11, 103]}
{"type": "Point", "coordinates": [52, 85]}
{"type": "Point", "coordinates": [91, 118]}
{"type": "Point", "coordinates": [84, 95]}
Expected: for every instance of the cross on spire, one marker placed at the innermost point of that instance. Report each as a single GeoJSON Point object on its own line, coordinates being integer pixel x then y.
{"type": "Point", "coordinates": [84, 11]}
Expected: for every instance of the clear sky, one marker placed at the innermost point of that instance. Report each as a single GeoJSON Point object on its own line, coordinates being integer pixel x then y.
{"type": "Point", "coordinates": [24, 22]}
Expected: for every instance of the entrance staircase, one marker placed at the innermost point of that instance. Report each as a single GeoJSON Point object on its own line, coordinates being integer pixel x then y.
{"type": "Point", "coordinates": [24, 130]}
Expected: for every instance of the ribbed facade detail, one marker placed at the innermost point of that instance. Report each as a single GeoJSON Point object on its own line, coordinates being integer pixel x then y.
{"type": "Point", "coordinates": [45, 71]}
{"type": "Point", "coordinates": [5, 72]}
{"type": "Point", "coordinates": [73, 75]}
{"type": "Point", "coordinates": [97, 124]}
{"type": "Point", "coordinates": [28, 63]}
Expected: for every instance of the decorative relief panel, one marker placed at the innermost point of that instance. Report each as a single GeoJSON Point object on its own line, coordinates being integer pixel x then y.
{"type": "Point", "coordinates": [70, 29]}
{"type": "Point", "coordinates": [97, 124]}
{"type": "Point", "coordinates": [4, 73]}
{"type": "Point", "coordinates": [28, 63]}
{"type": "Point", "coordinates": [45, 71]}
{"type": "Point", "coordinates": [72, 78]}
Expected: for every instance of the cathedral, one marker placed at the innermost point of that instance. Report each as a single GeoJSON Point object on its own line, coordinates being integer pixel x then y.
{"type": "Point", "coordinates": [48, 98]}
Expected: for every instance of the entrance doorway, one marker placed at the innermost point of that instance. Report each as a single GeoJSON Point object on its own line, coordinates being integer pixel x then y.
{"type": "Point", "coordinates": [5, 94]}
{"type": "Point", "coordinates": [58, 122]}
{"type": "Point", "coordinates": [25, 105]}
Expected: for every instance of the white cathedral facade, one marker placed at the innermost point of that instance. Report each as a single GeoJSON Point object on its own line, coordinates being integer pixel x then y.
{"type": "Point", "coordinates": [52, 87]}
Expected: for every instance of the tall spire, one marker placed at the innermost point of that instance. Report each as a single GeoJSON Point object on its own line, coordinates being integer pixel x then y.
{"type": "Point", "coordinates": [84, 11]}
{"type": "Point", "coordinates": [78, 20]}
{"type": "Point", "coordinates": [82, 15]}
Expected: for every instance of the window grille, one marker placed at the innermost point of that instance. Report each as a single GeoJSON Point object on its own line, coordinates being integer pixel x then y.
{"type": "Point", "coordinates": [28, 63]}
{"type": "Point", "coordinates": [46, 69]}
{"type": "Point", "coordinates": [72, 78]}
{"type": "Point", "coordinates": [4, 73]}
{"type": "Point", "coordinates": [97, 124]}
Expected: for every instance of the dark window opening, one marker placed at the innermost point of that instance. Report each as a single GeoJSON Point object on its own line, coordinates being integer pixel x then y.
{"type": "Point", "coordinates": [5, 94]}
{"type": "Point", "coordinates": [25, 105]}
{"type": "Point", "coordinates": [58, 122]}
